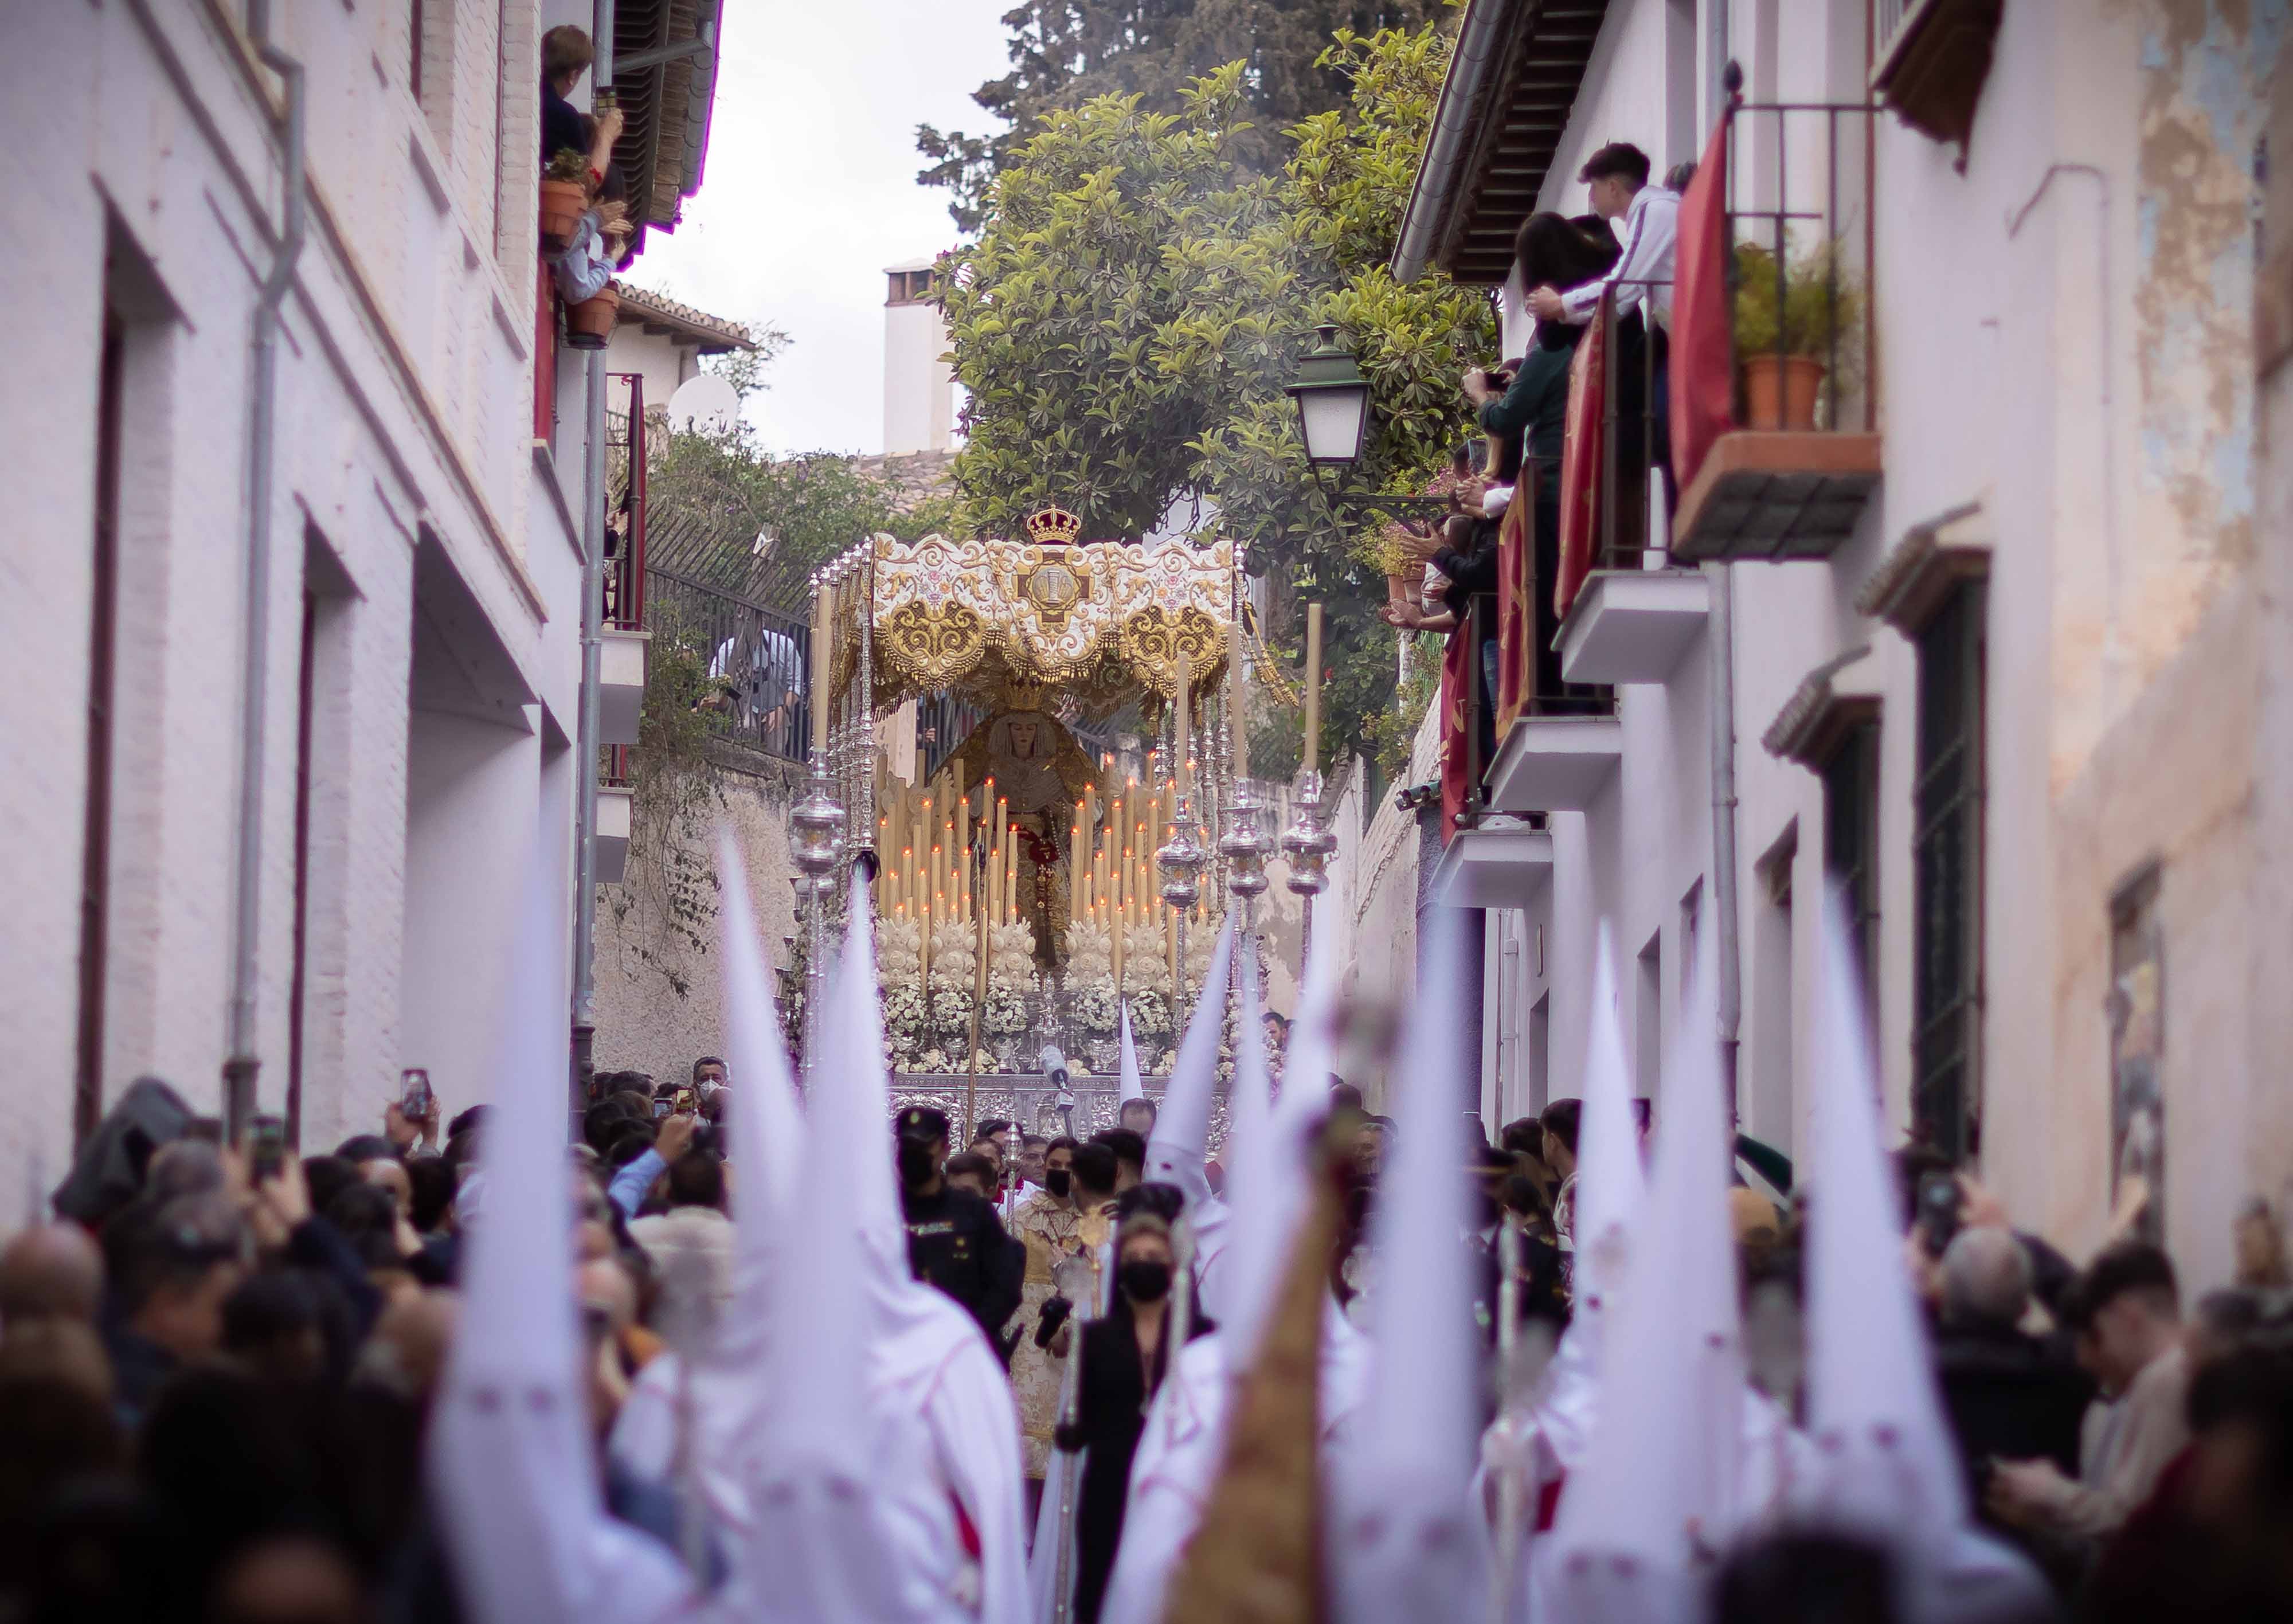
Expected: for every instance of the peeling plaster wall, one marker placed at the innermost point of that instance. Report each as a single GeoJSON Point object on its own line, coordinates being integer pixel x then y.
{"type": "Point", "coordinates": [2160, 632]}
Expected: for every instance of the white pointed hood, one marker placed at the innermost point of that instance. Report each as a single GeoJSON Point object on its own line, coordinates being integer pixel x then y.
{"type": "Point", "coordinates": [1872, 1405]}
{"type": "Point", "coordinates": [1611, 1186]}
{"type": "Point", "coordinates": [764, 1128]}
{"type": "Point", "coordinates": [1608, 1195]}
{"type": "Point", "coordinates": [1270, 1140]}
{"type": "Point", "coordinates": [1179, 1145]}
{"type": "Point", "coordinates": [1403, 1546]}
{"type": "Point", "coordinates": [509, 1460]}
{"type": "Point", "coordinates": [1886, 1467]}
{"type": "Point", "coordinates": [1656, 1494]}
{"type": "Point", "coordinates": [1127, 1084]}
{"type": "Point", "coordinates": [823, 1516]}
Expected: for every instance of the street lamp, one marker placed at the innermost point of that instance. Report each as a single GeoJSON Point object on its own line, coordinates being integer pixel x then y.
{"type": "Point", "coordinates": [1332, 400]}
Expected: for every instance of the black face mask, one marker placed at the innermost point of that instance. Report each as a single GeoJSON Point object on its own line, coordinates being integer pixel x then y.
{"type": "Point", "coordinates": [917, 1161]}
{"type": "Point", "coordinates": [1058, 1181]}
{"type": "Point", "coordinates": [1145, 1280]}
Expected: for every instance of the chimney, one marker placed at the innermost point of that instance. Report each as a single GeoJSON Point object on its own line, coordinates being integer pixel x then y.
{"type": "Point", "coordinates": [918, 388]}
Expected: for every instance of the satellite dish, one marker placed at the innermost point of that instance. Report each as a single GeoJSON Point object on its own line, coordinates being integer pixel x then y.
{"type": "Point", "coordinates": [704, 403]}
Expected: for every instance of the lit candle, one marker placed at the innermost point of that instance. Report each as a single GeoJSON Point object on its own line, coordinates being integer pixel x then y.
{"type": "Point", "coordinates": [1237, 699]}
{"type": "Point", "coordinates": [1074, 865]}
{"type": "Point", "coordinates": [1313, 685]}
{"type": "Point", "coordinates": [820, 624]}
{"type": "Point", "coordinates": [1179, 737]}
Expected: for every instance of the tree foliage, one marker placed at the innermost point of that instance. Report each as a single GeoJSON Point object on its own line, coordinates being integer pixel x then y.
{"type": "Point", "coordinates": [1138, 298]}
{"type": "Point", "coordinates": [1066, 52]}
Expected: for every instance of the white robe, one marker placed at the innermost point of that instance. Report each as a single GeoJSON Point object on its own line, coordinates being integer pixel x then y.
{"type": "Point", "coordinates": [1180, 1453]}
{"type": "Point", "coordinates": [943, 1409]}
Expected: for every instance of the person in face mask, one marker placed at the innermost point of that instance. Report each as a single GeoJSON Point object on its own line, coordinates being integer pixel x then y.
{"type": "Point", "coordinates": [1049, 1225]}
{"type": "Point", "coordinates": [955, 1241]}
{"type": "Point", "coordinates": [1124, 1357]}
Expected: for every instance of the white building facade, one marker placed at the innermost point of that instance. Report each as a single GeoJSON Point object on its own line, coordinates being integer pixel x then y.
{"type": "Point", "coordinates": [1998, 650]}
{"type": "Point", "coordinates": [417, 639]}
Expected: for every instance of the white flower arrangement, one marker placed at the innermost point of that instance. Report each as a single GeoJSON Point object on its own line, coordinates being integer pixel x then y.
{"type": "Point", "coordinates": [950, 1008]}
{"type": "Point", "coordinates": [1150, 1015]}
{"type": "Point", "coordinates": [931, 1059]}
{"type": "Point", "coordinates": [1095, 1006]}
{"type": "Point", "coordinates": [1006, 1012]}
{"type": "Point", "coordinates": [904, 1004]}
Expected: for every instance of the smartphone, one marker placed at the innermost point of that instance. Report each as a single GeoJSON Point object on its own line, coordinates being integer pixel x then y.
{"type": "Point", "coordinates": [687, 1102]}
{"type": "Point", "coordinates": [415, 1099]}
{"type": "Point", "coordinates": [1941, 1200]}
{"type": "Point", "coordinates": [266, 1146]}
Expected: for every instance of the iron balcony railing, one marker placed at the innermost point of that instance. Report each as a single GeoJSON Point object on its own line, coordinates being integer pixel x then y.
{"type": "Point", "coordinates": [748, 665]}
{"type": "Point", "coordinates": [1800, 184]}
{"type": "Point", "coordinates": [626, 465]}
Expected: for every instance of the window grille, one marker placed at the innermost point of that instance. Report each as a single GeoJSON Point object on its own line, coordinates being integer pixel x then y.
{"type": "Point", "coordinates": [1946, 878]}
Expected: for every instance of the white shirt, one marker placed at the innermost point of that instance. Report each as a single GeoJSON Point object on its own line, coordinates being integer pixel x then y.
{"type": "Point", "coordinates": [1651, 230]}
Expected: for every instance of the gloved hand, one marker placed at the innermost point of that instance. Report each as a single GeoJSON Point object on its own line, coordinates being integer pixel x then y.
{"type": "Point", "coordinates": [1053, 1315]}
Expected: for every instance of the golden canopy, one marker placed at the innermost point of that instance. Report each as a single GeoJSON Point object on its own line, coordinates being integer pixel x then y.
{"type": "Point", "coordinates": [1001, 623]}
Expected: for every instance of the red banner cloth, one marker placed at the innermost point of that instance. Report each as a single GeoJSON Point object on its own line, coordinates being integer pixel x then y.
{"type": "Point", "coordinates": [1584, 435]}
{"type": "Point", "coordinates": [1460, 657]}
{"type": "Point", "coordinates": [1516, 615]}
{"type": "Point", "coordinates": [1702, 345]}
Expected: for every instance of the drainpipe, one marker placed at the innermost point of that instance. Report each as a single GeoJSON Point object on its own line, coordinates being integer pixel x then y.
{"type": "Point", "coordinates": [239, 1070]}
{"type": "Point", "coordinates": [1722, 638]}
{"type": "Point", "coordinates": [593, 617]}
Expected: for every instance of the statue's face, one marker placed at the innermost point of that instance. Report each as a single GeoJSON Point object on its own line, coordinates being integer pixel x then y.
{"type": "Point", "coordinates": [1022, 740]}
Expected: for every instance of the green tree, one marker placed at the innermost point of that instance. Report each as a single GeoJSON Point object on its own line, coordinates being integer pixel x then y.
{"type": "Point", "coordinates": [1130, 314]}
{"type": "Point", "coordinates": [1065, 53]}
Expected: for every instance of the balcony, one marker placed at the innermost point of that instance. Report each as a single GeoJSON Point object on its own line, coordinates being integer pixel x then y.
{"type": "Point", "coordinates": [1632, 625]}
{"type": "Point", "coordinates": [1494, 868]}
{"type": "Point", "coordinates": [616, 808]}
{"type": "Point", "coordinates": [620, 683]}
{"type": "Point", "coordinates": [1549, 763]}
{"type": "Point", "coordinates": [622, 648]}
{"type": "Point", "coordinates": [1790, 473]}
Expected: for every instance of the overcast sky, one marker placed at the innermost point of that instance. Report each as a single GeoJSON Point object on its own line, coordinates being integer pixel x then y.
{"type": "Point", "coordinates": [810, 190]}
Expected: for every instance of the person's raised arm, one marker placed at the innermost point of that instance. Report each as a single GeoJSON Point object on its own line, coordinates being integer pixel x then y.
{"type": "Point", "coordinates": [1642, 249]}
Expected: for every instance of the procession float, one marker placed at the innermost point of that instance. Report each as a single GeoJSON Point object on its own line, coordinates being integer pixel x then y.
{"type": "Point", "coordinates": [1072, 858]}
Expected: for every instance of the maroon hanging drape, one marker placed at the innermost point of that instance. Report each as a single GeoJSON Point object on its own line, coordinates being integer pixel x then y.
{"type": "Point", "coordinates": [1703, 358]}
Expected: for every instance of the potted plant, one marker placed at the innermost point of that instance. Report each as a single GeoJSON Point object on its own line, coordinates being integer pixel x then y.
{"type": "Point", "coordinates": [589, 323]}
{"type": "Point", "coordinates": [1387, 551]}
{"type": "Point", "coordinates": [1792, 326]}
{"type": "Point", "coordinates": [565, 196]}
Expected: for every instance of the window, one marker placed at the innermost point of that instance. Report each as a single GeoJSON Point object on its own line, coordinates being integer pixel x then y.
{"type": "Point", "coordinates": [1851, 845]}
{"type": "Point", "coordinates": [102, 655]}
{"type": "Point", "coordinates": [2137, 1054]}
{"type": "Point", "coordinates": [1767, 1092]}
{"type": "Point", "coordinates": [1539, 1054]}
{"type": "Point", "coordinates": [1947, 877]}
{"type": "Point", "coordinates": [1647, 1021]}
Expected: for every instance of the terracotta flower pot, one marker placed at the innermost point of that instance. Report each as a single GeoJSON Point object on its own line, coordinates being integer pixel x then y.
{"type": "Point", "coordinates": [589, 323]}
{"type": "Point", "coordinates": [1780, 391]}
{"type": "Point", "coordinates": [1402, 588]}
{"type": "Point", "coordinates": [562, 203]}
